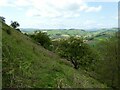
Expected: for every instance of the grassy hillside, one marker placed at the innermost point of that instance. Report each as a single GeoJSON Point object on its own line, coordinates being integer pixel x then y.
{"type": "Point", "coordinates": [26, 64]}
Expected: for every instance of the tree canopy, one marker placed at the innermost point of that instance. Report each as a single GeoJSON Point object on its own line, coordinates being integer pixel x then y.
{"type": "Point", "coordinates": [76, 51]}
{"type": "Point", "coordinates": [15, 24]}
{"type": "Point", "coordinates": [42, 38]}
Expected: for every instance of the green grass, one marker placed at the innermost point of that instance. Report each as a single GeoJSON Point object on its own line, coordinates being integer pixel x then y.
{"type": "Point", "coordinates": [26, 64]}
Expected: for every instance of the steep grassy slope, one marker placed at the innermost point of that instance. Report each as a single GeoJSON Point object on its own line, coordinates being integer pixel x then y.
{"type": "Point", "coordinates": [26, 64]}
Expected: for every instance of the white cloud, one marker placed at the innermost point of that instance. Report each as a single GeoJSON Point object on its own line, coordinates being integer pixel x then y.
{"type": "Point", "coordinates": [60, 8]}
{"type": "Point", "coordinates": [51, 8]}
{"type": "Point", "coordinates": [94, 9]}
{"type": "Point", "coordinates": [56, 8]}
{"type": "Point", "coordinates": [31, 12]}
{"type": "Point", "coordinates": [6, 3]}
{"type": "Point", "coordinates": [89, 22]}
{"type": "Point", "coordinates": [22, 3]}
{"type": "Point", "coordinates": [15, 3]}
{"type": "Point", "coordinates": [3, 2]}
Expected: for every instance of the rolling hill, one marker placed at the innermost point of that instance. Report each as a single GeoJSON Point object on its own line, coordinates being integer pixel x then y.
{"type": "Point", "coordinates": [28, 65]}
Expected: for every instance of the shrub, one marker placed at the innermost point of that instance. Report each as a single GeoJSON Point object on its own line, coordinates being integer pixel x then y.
{"type": "Point", "coordinates": [18, 29]}
{"type": "Point", "coordinates": [8, 31]}
{"type": "Point", "coordinates": [43, 39]}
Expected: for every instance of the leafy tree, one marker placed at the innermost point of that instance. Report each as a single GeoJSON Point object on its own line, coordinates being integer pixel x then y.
{"type": "Point", "coordinates": [76, 51]}
{"type": "Point", "coordinates": [15, 24]}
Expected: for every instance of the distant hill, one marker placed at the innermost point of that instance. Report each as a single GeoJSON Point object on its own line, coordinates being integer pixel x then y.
{"type": "Point", "coordinates": [26, 64]}
{"type": "Point", "coordinates": [28, 30]}
{"type": "Point", "coordinates": [71, 32]}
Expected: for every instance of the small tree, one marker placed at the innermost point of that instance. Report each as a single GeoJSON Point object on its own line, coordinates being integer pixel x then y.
{"type": "Point", "coordinates": [76, 51]}
{"type": "Point", "coordinates": [15, 24]}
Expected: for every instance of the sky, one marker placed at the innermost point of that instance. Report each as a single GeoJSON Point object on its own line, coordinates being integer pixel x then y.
{"type": "Point", "coordinates": [61, 14]}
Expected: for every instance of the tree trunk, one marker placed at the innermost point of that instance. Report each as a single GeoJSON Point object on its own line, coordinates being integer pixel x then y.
{"type": "Point", "coordinates": [74, 62]}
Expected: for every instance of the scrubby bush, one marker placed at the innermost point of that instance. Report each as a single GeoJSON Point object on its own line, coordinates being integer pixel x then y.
{"type": "Point", "coordinates": [18, 29]}
{"type": "Point", "coordinates": [8, 31]}
{"type": "Point", "coordinates": [42, 38]}
{"type": "Point", "coordinates": [26, 34]}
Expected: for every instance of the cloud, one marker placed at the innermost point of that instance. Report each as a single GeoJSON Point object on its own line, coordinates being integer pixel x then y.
{"type": "Point", "coordinates": [55, 8]}
{"type": "Point", "coordinates": [22, 3]}
{"type": "Point", "coordinates": [60, 8]}
{"type": "Point", "coordinates": [89, 22]}
{"type": "Point", "coordinates": [94, 9]}
{"type": "Point", "coordinates": [51, 8]}
{"type": "Point", "coordinates": [15, 3]}
{"type": "Point", "coordinates": [6, 3]}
